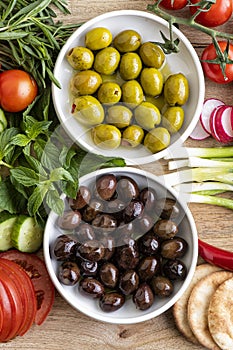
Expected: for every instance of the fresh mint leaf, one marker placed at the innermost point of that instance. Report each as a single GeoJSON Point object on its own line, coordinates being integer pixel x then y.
{"type": "Point", "coordinates": [27, 177]}
{"type": "Point", "coordinates": [5, 141]}
{"type": "Point", "coordinates": [36, 199]}
{"type": "Point", "coordinates": [59, 174]}
{"type": "Point", "coordinates": [48, 154]}
{"type": "Point", "coordinates": [20, 140]}
{"type": "Point", "coordinates": [11, 199]}
{"type": "Point", "coordinates": [54, 202]}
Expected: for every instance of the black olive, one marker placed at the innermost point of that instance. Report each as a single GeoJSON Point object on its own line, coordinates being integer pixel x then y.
{"type": "Point", "coordinates": [175, 269]}
{"type": "Point", "coordinates": [174, 248]}
{"type": "Point", "coordinates": [109, 275]}
{"type": "Point", "coordinates": [133, 210]}
{"type": "Point", "coordinates": [105, 221]}
{"type": "Point", "coordinates": [92, 210]}
{"type": "Point", "coordinates": [82, 198]}
{"type": "Point", "coordinates": [162, 286]}
{"type": "Point", "coordinates": [128, 282]}
{"type": "Point", "coordinates": [148, 267]}
{"type": "Point", "coordinates": [149, 244]}
{"type": "Point", "coordinates": [106, 186]}
{"type": "Point", "coordinates": [115, 207]}
{"type": "Point", "coordinates": [109, 247]}
{"type": "Point", "coordinates": [110, 302]}
{"type": "Point", "coordinates": [65, 247]}
{"type": "Point", "coordinates": [69, 273]}
{"type": "Point", "coordinates": [84, 232]}
{"type": "Point", "coordinates": [127, 256]}
{"type": "Point", "coordinates": [91, 287]}
{"type": "Point", "coordinates": [148, 196]}
{"type": "Point", "coordinates": [127, 189]}
{"type": "Point", "coordinates": [167, 208]}
{"type": "Point", "coordinates": [145, 223]}
{"type": "Point", "coordinates": [88, 268]}
{"type": "Point", "coordinates": [165, 228]}
{"type": "Point", "coordinates": [143, 297]}
{"type": "Point", "coordinates": [69, 220]}
{"type": "Point", "coordinates": [91, 250]}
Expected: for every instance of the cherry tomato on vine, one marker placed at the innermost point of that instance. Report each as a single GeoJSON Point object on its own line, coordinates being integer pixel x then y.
{"type": "Point", "coordinates": [17, 90]}
{"type": "Point", "coordinates": [219, 13]}
{"type": "Point", "coordinates": [173, 4]}
{"type": "Point", "coordinates": [213, 70]}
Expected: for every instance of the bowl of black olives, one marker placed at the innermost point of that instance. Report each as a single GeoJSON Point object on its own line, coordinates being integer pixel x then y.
{"type": "Point", "coordinates": [125, 248]}
{"type": "Point", "coordinates": [121, 93]}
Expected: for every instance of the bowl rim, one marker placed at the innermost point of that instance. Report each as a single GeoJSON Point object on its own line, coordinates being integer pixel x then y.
{"type": "Point", "coordinates": [201, 84]}
{"type": "Point", "coordinates": [143, 317]}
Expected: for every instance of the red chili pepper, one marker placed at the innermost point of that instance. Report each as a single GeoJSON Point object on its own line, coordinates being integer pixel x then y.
{"type": "Point", "coordinates": [213, 255]}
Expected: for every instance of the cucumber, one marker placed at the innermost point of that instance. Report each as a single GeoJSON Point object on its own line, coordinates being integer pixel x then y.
{"type": "Point", "coordinates": [26, 235]}
{"type": "Point", "coordinates": [7, 222]}
{"type": "Point", "coordinates": [3, 121]}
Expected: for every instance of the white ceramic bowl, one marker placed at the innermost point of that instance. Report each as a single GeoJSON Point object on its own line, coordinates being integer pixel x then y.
{"type": "Point", "coordinates": [149, 26]}
{"type": "Point", "coordinates": [128, 313]}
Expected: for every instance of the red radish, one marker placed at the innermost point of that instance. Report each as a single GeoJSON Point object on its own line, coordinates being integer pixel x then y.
{"type": "Point", "coordinates": [213, 123]}
{"type": "Point", "coordinates": [223, 125]}
{"type": "Point", "coordinates": [199, 132]}
{"type": "Point", "coordinates": [208, 106]}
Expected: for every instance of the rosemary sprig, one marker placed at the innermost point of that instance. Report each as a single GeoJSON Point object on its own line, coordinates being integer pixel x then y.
{"type": "Point", "coordinates": [203, 5]}
{"type": "Point", "coordinates": [31, 38]}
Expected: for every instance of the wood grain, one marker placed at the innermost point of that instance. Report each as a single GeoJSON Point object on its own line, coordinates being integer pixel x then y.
{"type": "Point", "coordinates": [66, 328]}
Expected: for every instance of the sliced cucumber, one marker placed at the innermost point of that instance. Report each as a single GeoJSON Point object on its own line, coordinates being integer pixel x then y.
{"type": "Point", "coordinates": [3, 121]}
{"type": "Point", "coordinates": [26, 236]}
{"type": "Point", "coordinates": [7, 222]}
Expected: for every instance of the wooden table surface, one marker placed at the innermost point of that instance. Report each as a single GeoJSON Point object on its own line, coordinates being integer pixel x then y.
{"type": "Point", "coordinates": [67, 329]}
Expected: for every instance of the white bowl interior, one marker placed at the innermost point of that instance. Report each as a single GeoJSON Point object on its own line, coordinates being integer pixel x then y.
{"type": "Point", "coordinates": [128, 313]}
{"type": "Point", "coordinates": [149, 26]}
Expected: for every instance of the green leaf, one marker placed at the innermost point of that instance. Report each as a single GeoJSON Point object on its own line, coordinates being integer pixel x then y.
{"type": "Point", "coordinates": [25, 176]}
{"type": "Point", "coordinates": [48, 154]}
{"type": "Point", "coordinates": [5, 141]}
{"type": "Point", "coordinates": [54, 202]}
{"type": "Point", "coordinates": [11, 199]}
{"type": "Point", "coordinates": [20, 140]}
{"type": "Point", "coordinates": [60, 174]}
{"type": "Point", "coordinates": [36, 199]}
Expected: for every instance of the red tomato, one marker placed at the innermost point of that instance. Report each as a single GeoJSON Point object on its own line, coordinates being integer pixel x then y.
{"type": "Point", "coordinates": [36, 269]}
{"type": "Point", "coordinates": [219, 13]}
{"type": "Point", "coordinates": [17, 90]}
{"type": "Point", "coordinates": [27, 292]}
{"type": "Point", "coordinates": [173, 4]}
{"type": "Point", "coordinates": [212, 70]}
{"type": "Point", "coordinates": [6, 310]}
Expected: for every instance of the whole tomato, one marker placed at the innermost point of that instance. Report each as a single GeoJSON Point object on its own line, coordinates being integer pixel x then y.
{"type": "Point", "coordinates": [173, 4]}
{"type": "Point", "coordinates": [17, 90]}
{"type": "Point", "coordinates": [219, 13]}
{"type": "Point", "coordinates": [213, 70]}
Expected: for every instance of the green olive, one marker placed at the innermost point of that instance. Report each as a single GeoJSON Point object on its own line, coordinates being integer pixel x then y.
{"type": "Point", "coordinates": [152, 81]}
{"type": "Point", "coordinates": [176, 89]}
{"type": "Point", "coordinates": [119, 115]}
{"type": "Point", "coordinates": [157, 139]}
{"type": "Point", "coordinates": [147, 115]}
{"type": "Point", "coordinates": [85, 83]}
{"type": "Point", "coordinates": [173, 119]}
{"type": "Point", "coordinates": [130, 66]}
{"type": "Point", "coordinates": [152, 55]}
{"type": "Point", "coordinates": [107, 60]}
{"type": "Point", "coordinates": [132, 136]}
{"type": "Point", "coordinates": [127, 41]}
{"type": "Point", "coordinates": [109, 93]}
{"type": "Point", "coordinates": [88, 110]}
{"type": "Point", "coordinates": [80, 58]}
{"type": "Point", "coordinates": [106, 136]}
{"type": "Point", "coordinates": [157, 101]}
{"type": "Point", "coordinates": [98, 38]}
{"type": "Point", "coordinates": [132, 93]}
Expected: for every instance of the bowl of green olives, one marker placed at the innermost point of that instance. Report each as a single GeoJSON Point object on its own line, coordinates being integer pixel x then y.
{"type": "Point", "coordinates": [125, 248]}
{"type": "Point", "coordinates": [121, 94]}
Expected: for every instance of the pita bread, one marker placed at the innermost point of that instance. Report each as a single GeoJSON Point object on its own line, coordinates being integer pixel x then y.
{"type": "Point", "coordinates": [180, 307]}
{"type": "Point", "coordinates": [220, 315]}
{"type": "Point", "coordinates": [198, 306]}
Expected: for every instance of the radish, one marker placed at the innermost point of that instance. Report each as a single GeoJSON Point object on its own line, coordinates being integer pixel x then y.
{"type": "Point", "coordinates": [213, 130]}
{"type": "Point", "coordinates": [199, 132]}
{"type": "Point", "coordinates": [208, 106]}
{"type": "Point", "coordinates": [223, 125]}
